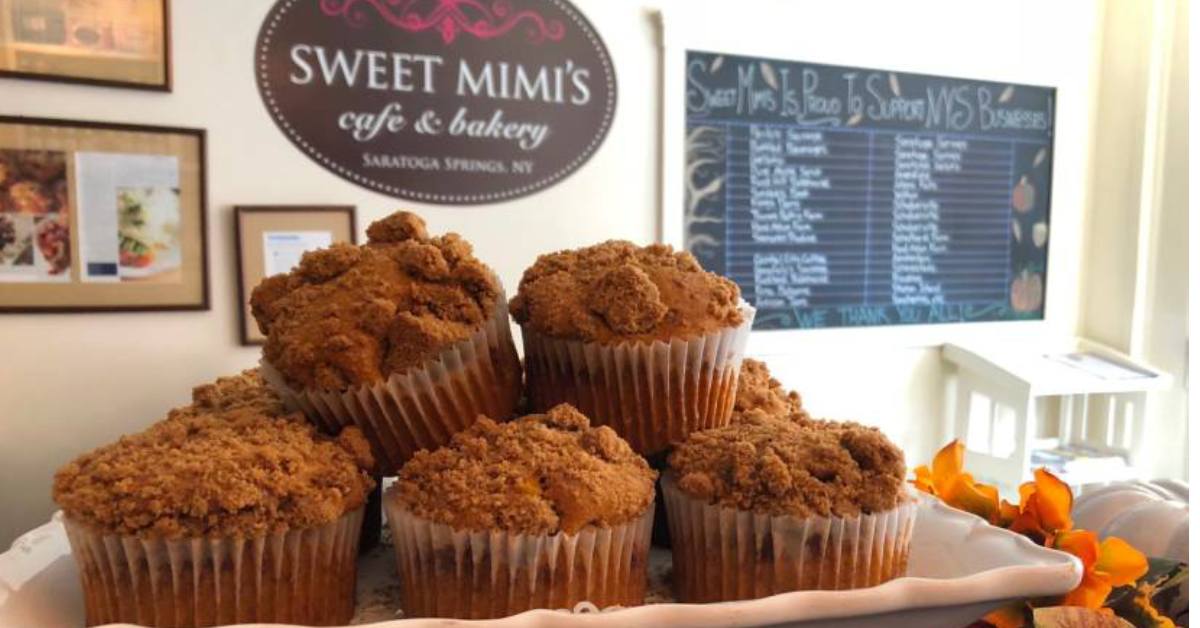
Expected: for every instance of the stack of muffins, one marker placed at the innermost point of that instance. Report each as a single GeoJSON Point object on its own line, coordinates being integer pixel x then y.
{"type": "Point", "coordinates": [395, 358]}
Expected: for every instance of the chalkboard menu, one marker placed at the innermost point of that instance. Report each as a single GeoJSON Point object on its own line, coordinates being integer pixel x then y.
{"type": "Point", "coordinates": [840, 196]}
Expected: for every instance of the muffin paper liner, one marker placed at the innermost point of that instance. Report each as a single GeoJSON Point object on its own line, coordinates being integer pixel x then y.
{"type": "Point", "coordinates": [652, 393]}
{"type": "Point", "coordinates": [723, 554]}
{"type": "Point", "coordinates": [424, 406]}
{"type": "Point", "coordinates": [297, 576]}
{"type": "Point", "coordinates": [481, 575]}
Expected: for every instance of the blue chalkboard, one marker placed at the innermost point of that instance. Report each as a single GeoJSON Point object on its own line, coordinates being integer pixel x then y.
{"type": "Point", "coordinates": [840, 196]}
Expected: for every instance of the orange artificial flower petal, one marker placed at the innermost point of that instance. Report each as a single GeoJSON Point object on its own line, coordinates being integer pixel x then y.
{"type": "Point", "coordinates": [1121, 562]}
{"type": "Point", "coordinates": [947, 466]}
{"type": "Point", "coordinates": [1008, 514]}
{"type": "Point", "coordinates": [1083, 544]}
{"type": "Point", "coordinates": [965, 494]}
{"type": "Point", "coordinates": [1092, 591]}
{"type": "Point", "coordinates": [1007, 616]}
{"type": "Point", "coordinates": [924, 480]}
{"type": "Point", "coordinates": [1026, 490]}
{"type": "Point", "coordinates": [1054, 501]}
{"type": "Point", "coordinates": [1027, 524]}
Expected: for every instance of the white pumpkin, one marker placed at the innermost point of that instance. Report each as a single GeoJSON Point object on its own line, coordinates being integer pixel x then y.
{"type": "Point", "coordinates": [1153, 517]}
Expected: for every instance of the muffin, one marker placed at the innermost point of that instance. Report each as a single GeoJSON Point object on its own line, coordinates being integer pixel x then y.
{"type": "Point", "coordinates": [638, 338]}
{"type": "Point", "coordinates": [406, 337]}
{"type": "Point", "coordinates": [758, 391]}
{"type": "Point", "coordinates": [757, 394]}
{"type": "Point", "coordinates": [246, 390]}
{"type": "Point", "coordinates": [210, 518]}
{"type": "Point", "coordinates": [542, 512]}
{"type": "Point", "coordinates": [767, 506]}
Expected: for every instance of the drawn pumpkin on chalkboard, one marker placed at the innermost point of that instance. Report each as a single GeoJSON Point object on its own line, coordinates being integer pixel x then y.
{"type": "Point", "coordinates": [1022, 196]}
{"type": "Point", "coordinates": [1026, 292]}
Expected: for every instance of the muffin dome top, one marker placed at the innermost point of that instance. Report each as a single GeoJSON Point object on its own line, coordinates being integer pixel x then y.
{"type": "Point", "coordinates": [246, 390]}
{"type": "Point", "coordinates": [350, 315]}
{"type": "Point", "coordinates": [778, 467]}
{"type": "Point", "coordinates": [617, 291]}
{"type": "Point", "coordinates": [758, 391]}
{"type": "Point", "coordinates": [541, 474]}
{"type": "Point", "coordinates": [224, 474]}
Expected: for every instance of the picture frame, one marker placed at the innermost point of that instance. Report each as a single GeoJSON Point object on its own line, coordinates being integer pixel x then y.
{"type": "Point", "coordinates": [109, 43]}
{"type": "Point", "coordinates": [271, 238]}
{"type": "Point", "coordinates": [102, 217]}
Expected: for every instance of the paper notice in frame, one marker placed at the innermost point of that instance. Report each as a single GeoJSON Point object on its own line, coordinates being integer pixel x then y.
{"type": "Point", "coordinates": [282, 249]}
{"type": "Point", "coordinates": [129, 217]}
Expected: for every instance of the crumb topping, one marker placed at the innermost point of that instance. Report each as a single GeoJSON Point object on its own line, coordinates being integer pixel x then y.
{"type": "Point", "coordinates": [777, 467]}
{"type": "Point", "coordinates": [758, 391]}
{"type": "Point", "coordinates": [541, 474]}
{"type": "Point", "coordinates": [350, 315]}
{"type": "Point", "coordinates": [617, 291]}
{"type": "Point", "coordinates": [246, 390]}
{"type": "Point", "coordinates": [236, 473]}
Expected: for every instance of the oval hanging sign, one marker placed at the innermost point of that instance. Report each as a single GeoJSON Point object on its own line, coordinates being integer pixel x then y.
{"type": "Point", "coordinates": [441, 101]}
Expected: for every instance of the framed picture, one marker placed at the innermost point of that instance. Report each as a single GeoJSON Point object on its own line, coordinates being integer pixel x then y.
{"type": "Point", "coordinates": [271, 239]}
{"type": "Point", "coordinates": [101, 217]}
{"type": "Point", "coordinates": [117, 43]}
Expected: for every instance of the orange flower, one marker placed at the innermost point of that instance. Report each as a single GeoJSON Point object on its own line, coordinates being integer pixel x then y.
{"type": "Point", "coordinates": [948, 482]}
{"type": "Point", "coordinates": [1044, 515]}
{"type": "Point", "coordinates": [1045, 508]}
{"type": "Point", "coordinates": [1108, 564]}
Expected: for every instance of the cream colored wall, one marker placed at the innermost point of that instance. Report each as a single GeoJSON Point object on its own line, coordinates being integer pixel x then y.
{"type": "Point", "coordinates": [1136, 288]}
{"type": "Point", "coordinates": [72, 382]}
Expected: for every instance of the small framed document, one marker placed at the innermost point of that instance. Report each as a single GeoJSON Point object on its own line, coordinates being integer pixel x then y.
{"type": "Point", "coordinates": [272, 239]}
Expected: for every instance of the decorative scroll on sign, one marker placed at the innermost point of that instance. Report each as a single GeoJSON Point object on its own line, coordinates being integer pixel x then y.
{"type": "Point", "coordinates": [443, 101]}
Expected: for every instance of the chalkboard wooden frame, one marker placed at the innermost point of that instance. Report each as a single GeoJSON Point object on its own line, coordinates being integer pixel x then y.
{"type": "Point", "coordinates": [685, 29]}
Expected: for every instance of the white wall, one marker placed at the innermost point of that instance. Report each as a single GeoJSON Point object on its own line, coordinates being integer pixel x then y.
{"type": "Point", "coordinates": [72, 382]}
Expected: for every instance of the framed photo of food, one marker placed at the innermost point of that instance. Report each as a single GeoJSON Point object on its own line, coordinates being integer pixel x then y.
{"type": "Point", "coordinates": [101, 217]}
{"type": "Point", "coordinates": [116, 43]}
{"type": "Point", "coordinates": [272, 238]}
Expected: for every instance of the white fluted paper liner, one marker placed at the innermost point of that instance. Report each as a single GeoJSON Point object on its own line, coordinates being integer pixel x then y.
{"type": "Point", "coordinates": [653, 394]}
{"type": "Point", "coordinates": [422, 407]}
{"type": "Point", "coordinates": [298, 576]}
{"type": "Point", "coordinates": [481, 575]}
{"type": "Point", "coordinates": [723, 554]}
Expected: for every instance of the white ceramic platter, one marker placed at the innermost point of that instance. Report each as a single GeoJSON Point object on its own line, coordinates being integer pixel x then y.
{"type": "Point", "coordinates": [960, 569]}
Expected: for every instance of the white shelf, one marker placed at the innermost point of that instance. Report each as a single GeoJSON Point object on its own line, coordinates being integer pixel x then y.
{"type": "Point", "coordinates": [1027, 367]}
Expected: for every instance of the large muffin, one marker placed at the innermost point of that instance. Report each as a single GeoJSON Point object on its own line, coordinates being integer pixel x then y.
{"type": "Point", "coordinates": [405, 336]}
{"type": "Point", "coordinates": [639, 338]}
{"type": "Point", "coordinates": [758, 395]}
{"type": "Point", "coordinates": [827, 498]}
{"type": "Point", "coordinates": [249, 390]}
{"type": "Point", "coordinates": [210, 518]}
{"type": "Point", "coordinates": [618, 292]}
{"type": "Point", "coordinates": [576, 497]}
